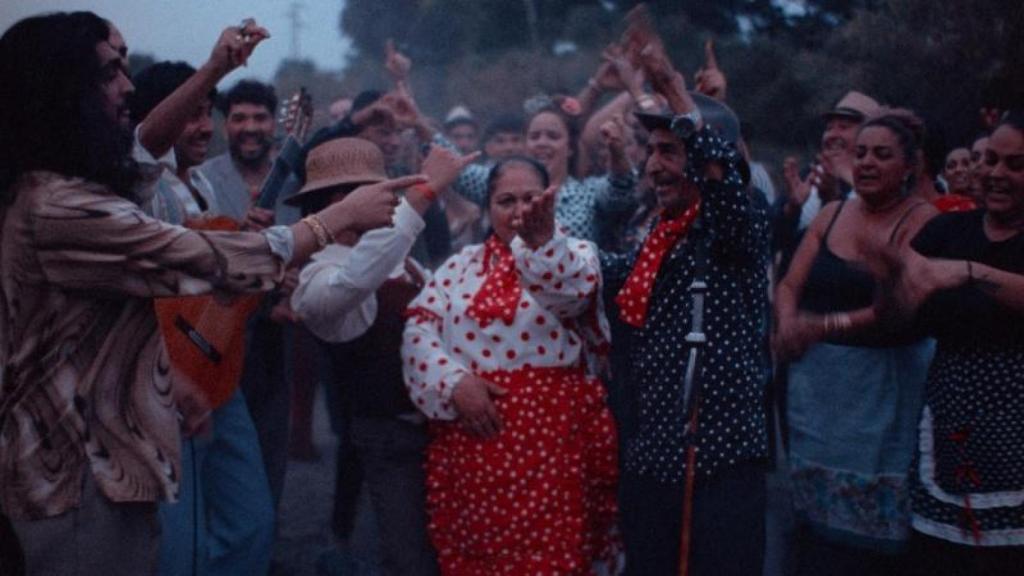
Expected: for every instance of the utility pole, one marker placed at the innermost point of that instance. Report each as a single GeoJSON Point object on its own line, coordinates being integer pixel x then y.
{"type": "Point", "coordinates": [295, 15]}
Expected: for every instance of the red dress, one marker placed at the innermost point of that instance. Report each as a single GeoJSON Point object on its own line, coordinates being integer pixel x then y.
{"type": "Point", "coordinates": [540, 497]}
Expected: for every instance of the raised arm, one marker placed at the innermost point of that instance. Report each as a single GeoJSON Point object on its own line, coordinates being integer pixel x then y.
{"type": "Point", "coordinates": [563, 274]}
{"type": "Point", "coordinates": [333, 293]}
{"type": "Point", "coordinates": [164, 124]}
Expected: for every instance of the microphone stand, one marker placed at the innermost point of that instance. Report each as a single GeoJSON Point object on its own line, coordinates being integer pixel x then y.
{"type": "Point", "coordinates": [696, 339]}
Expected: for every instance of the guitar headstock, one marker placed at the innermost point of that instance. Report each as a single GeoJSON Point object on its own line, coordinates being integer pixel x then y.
{"type": "Point", "coordinates": [296, 114]}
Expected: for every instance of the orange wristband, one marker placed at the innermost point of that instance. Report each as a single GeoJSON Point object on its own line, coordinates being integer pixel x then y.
{"type": "Point", "coordinates": [427, 191]}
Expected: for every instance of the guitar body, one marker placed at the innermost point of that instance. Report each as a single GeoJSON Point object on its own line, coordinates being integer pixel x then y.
{"type": "Point", "coordinates": [205, 335]}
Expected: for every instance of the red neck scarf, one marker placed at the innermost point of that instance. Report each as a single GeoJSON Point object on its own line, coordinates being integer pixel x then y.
{"type": "Point", "coordinates": [636, 292]}
{"type": "Point", "coordinates": [499, 295]}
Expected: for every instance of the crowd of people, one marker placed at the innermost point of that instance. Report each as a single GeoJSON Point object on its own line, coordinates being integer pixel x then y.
{"type": "Point", "coordinates": [564, 343]}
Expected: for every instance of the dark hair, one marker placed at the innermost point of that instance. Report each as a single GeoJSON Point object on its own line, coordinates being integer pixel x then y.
{"type": "Point", "coordinates": [155, 83]}
{"type": "Point", "coordinates": [504, 124]}
{"type": "Point", "coordinates": [571, 127]}
{"type": "Point", "coordinates": [364, 99]}
{"type": "Point", "coordinates": [248, 92]}
{"type": "Point", "coordinates": [52, 112]}
{"type": "Point", "coordinates": [498, 169]}
{"type": "Point", "coordinates": [1014, 118]}
{"type": "Point", "coordinates": [908, 138]}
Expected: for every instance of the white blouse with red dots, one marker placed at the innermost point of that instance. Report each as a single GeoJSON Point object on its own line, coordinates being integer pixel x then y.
{"type": "Point", "coordinates": [441, 343]}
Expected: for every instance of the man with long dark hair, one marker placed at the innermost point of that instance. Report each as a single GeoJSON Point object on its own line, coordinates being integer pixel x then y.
{"type": "Point", "coordinates": [60, 116]}
{"type": "Point", "coordinates": [89, 439]}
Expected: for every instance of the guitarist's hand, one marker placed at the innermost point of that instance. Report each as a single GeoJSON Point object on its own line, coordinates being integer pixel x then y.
{"type": "Point", "coordinates": [258, 219]}
{"type": "Point", "coordinates": [282, 313]}
{"type": "Point", "coordinates": [192, 404]}
{"type": "Point", "coordinates": [367, 207]}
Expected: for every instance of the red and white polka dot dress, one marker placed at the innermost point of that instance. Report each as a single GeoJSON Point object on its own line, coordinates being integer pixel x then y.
{"type": "Point", "coordinates": [539, 498]}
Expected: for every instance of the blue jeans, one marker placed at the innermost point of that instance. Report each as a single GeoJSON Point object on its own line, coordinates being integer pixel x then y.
{"type": "Point", "coordinates": [223, 522]}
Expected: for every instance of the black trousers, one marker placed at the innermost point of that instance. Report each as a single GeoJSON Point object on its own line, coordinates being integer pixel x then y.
{"type": "Point", "coordinates": [728, 531]}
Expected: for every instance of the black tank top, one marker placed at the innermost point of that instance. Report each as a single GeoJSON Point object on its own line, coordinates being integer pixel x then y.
{"type": "Point", "coordinates": [838, 285]}
{"type": "Point", "coordinates": [834, 284]}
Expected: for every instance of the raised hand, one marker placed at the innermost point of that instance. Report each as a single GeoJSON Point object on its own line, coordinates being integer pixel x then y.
{"type": "Point", "coordinates": [442, 166]}
{"type": "Point", "coordinates": [639, 33]}
{"type": "Point", "coordinates": [798, 190]}
{"type": "Point", "coordinates": [403, 108]}
{"type": "Point", "coordinates": [617, 72]}
{"type": "Point", "coordinates": [473, 398]}
{"type": "Point", "coordinates": [710, 80]}
{"type": "Point", "coordinates": [660, 73]}
{"type": "Point", "coordinates": [236, 44]}
{"type": "Point", "coordinates": [377, 112]}
{"type": "Point", "coordinates": [396, 63]}
{"type": "Point", "coordinates": [537, 222]}
{"type": "Point", "coordinates": [367, 207]}
{"type": "Point", "coordinates": [613, 133]}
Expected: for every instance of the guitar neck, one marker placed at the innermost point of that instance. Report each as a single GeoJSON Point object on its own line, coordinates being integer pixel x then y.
{"type": "Point", "coordinates": [285, 165]}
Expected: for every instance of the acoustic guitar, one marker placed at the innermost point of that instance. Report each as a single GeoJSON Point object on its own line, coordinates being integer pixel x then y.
{"type": "Point", "coordinates": [205, 335]}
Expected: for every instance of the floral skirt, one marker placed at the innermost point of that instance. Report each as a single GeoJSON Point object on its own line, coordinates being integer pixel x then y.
{"type": "Point", "coordinates": [538, 498]}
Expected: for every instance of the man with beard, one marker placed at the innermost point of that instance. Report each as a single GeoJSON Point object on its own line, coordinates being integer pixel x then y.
{"type": "Point", "coordinates": [224, 507]}
{"type": "Point", "coordinates": [704, 432]}
{"type": "Point", "coordinates": [89, 421]}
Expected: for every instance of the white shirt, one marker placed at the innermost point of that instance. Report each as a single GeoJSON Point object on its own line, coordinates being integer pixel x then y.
{"type": "Point", "coordinates": [441, 343]}
{"type": "Point", "coordinates": [336, 297]}
{"type": "Point", "coordinates": [173, 200]}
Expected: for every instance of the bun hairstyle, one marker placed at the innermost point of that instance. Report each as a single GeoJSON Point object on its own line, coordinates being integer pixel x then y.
{"type": "Point", "coordinates": [498, 169]}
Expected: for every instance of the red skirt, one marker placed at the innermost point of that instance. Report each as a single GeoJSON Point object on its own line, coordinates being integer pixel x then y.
{"type": "Point", "coordinates": [538, 498]}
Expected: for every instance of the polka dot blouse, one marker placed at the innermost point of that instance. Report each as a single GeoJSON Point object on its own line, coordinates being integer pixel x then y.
{"type": "Point", "coordinates": [581, 205]}
{"type": "Point", "coordinates": [441, 343]}
{"type": "Point", "coordinates": [734, 368]}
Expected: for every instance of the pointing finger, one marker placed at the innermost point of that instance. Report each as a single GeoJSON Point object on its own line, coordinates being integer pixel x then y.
{"type": "Point", "coordinates": [710, 61]}
{"type": "Point", "coordinates": [403, 182]}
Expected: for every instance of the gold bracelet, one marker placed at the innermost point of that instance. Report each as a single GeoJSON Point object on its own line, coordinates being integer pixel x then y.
{"type": "Point", "coordinates": [319, 230]}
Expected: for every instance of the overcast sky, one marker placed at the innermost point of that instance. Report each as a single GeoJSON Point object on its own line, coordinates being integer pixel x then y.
{"type": "Point", "coordinates": [186, 29]}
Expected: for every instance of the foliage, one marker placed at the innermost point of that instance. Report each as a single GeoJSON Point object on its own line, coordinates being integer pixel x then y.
{"type": "Point", "coordinates": [785, 66]}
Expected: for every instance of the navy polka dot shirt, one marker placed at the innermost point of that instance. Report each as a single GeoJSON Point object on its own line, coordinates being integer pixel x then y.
{"type": "Point", "coordinates": [734, 365]}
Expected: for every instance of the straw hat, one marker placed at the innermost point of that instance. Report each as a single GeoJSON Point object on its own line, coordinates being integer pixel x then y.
{"type": "Point", "coordinates": [340, 161]}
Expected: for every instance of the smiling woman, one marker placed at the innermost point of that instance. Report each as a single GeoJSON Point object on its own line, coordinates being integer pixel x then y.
{"type": "Point", "coordinates": [967, 282]}
{"type": "Point", "coordinates": [842, 386]}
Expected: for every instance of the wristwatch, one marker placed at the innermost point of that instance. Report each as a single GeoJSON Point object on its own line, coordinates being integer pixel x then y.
{"type": "Point", "coordinates": [684, 125]}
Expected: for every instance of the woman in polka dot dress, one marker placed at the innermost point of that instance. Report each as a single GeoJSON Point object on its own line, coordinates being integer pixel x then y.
{"type": "Point", "coordinates": [522, 469]}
